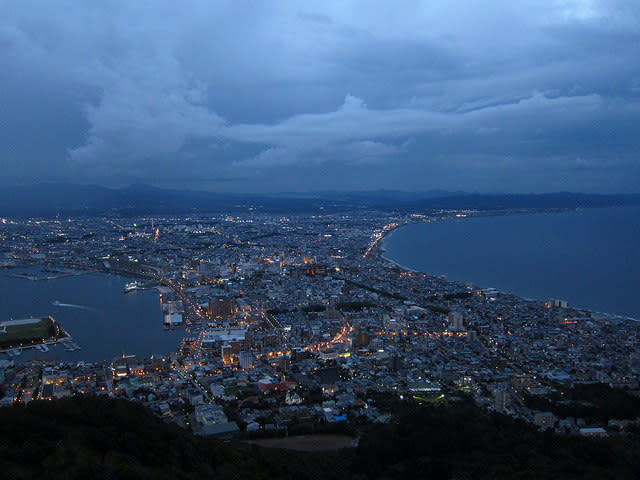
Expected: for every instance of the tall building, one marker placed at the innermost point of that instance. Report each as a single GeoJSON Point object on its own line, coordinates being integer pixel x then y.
{"type": "Point", "coordinates": [222, 307]}
{"type": "Point", "coordinates": [456, 323]}
{"type": "Point", "coordinates": [227, 357]}
{"type": "Point", "coordinates": [246, 359]}
{"type": "Point", "coordinates": [500, 400]}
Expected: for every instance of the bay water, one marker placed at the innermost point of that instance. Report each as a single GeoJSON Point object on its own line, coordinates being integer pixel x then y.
{"type": "Point", "coordinates": [590, 257]}
{"type": "Point", "coordinates": [93, 308]}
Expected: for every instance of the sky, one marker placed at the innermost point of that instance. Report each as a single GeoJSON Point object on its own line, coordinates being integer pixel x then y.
{"type": "Point", "coordinates": [261, 96]}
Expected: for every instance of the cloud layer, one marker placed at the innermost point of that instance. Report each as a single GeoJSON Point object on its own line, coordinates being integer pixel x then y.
{"type": "Point", "coordinates": [507, 96]}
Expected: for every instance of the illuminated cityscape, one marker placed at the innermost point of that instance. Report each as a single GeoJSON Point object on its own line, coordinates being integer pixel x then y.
{"type": "Point", "coordinates": [300, 319]}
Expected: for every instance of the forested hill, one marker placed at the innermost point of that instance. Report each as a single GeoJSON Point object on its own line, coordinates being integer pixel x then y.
{"type": "Point", "coordinates": [88, 437]}
{"type": "Point", "coordinates": [98, 438]}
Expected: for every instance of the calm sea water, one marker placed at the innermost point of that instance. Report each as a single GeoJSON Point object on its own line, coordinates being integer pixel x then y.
{"type": "Point", "coordinates": [590, 258]}
{"type": "Point", "coordinates": [100, 317]}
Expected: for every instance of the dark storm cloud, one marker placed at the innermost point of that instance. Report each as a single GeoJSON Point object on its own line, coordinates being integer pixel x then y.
{"type": "Point", "coordinates": [506, 96]}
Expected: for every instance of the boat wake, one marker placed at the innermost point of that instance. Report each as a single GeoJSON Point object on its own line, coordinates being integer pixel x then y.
{"type": "Point", "coordinates": [57, 303]}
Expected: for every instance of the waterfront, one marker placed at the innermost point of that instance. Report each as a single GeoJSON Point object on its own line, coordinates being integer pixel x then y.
{"type": "Point", "coordinates": [102, 319]}
{"type": "Point", "coordinates": [272, 305]}
{"type": "Point", "coordinates": [589, 257]}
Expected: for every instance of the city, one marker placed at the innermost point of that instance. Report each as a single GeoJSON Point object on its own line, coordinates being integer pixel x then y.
{"type": "Point", "coordinates": [320, 240]}
{"type": "Point", "coordinates": [297, 323]}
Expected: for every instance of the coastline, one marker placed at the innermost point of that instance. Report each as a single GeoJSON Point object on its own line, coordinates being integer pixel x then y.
{"type": "Point", "coordinates": [382, 252]}
{"type": "Point", "coordinates": [103, 329]}
{"type": "Point", "coordinates": [399, 265]}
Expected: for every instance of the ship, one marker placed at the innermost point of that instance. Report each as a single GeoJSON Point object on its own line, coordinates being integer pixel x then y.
{"type": "Point", "coordinates": [130, 287]}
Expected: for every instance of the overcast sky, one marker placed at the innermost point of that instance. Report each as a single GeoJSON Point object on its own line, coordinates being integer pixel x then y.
{"type": "Point", "coordinates": [496, 96]}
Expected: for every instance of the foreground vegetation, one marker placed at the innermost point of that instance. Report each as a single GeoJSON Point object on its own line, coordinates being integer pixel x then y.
{"type": "Point", "coordinates": [596, 402]}
{"type": "Point", "coordinates": [89, 437]}
{"type": "Point", "coordinates": [92, 437]}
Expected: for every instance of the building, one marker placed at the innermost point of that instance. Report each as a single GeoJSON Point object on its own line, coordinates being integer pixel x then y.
{"type": "Point", "coordinates": [558, 303]}
{"type": "Point", "coordinates": [127, 365]}
{"type": "Point", "coordinates": [593, 432]}
{"type": "Point", "coordinates": [544, 420]}
{"type": "Point", "coordinates": [227, 356]}
{"type": "Point", "coordinates": [222, 306]}
{"type": "Point", "coordinates": [314, 269]}
{"type": "Point", "coordinates": [456, 323]}
{"type": "Point", "coordinates": [500, 400]}
{"type": "Point", "coordinates": [246, 359]}
{"type": "Point", "coordinates": [211, 420]}
{"type": "Point", "coordinates": [172, 319]}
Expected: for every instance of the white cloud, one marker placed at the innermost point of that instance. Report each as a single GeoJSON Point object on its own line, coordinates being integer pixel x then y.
{"type": "Point", "coordinates": [152, 77]}
{"type": "Point", "coordinates": [353, 132]}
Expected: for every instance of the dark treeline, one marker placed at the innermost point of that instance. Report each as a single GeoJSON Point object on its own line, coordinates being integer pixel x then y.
{"type": "Point", "coordinates": [89, 437]}
{"type": "Point", "coordinates": [595, 402]}
{"type": "Point", "coordinates": [462, 442]}
{"type": "Point", "coordinates": [98, 438]}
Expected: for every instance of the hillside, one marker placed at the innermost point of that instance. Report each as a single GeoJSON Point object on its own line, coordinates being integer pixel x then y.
{"type": "Point", "coordinates": [79, 200]}
{"type": "Point", "coordinates": [88, 437]}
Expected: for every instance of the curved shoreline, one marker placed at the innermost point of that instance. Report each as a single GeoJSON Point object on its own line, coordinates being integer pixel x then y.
{"type": "Point", "coordinates": [382, 253]}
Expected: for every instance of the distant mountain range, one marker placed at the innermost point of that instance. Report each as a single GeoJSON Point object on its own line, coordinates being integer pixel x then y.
{"type": "Point", "coordinates": [75, 200]}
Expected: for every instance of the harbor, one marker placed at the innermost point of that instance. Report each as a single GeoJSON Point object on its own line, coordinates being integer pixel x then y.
{"type": "Point", "coordinates": [101, 320]}
{"type": "Point", "coordinates": [137, 285]}
{"type": "Point", "coordinates": [46, 274]}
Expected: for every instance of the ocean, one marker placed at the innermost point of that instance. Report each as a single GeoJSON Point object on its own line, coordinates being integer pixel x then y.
{"type": "Point", "coordinates": [93, 308]}
{"type": "Point", "coordinates": [591, 257]}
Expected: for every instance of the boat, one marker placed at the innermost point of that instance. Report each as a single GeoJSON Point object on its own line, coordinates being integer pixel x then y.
{"type": "Point", "coordinates": [131, 286]}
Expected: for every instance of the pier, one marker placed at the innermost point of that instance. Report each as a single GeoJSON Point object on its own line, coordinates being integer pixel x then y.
{"type": "Point", "coordinates": [32, 333]}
